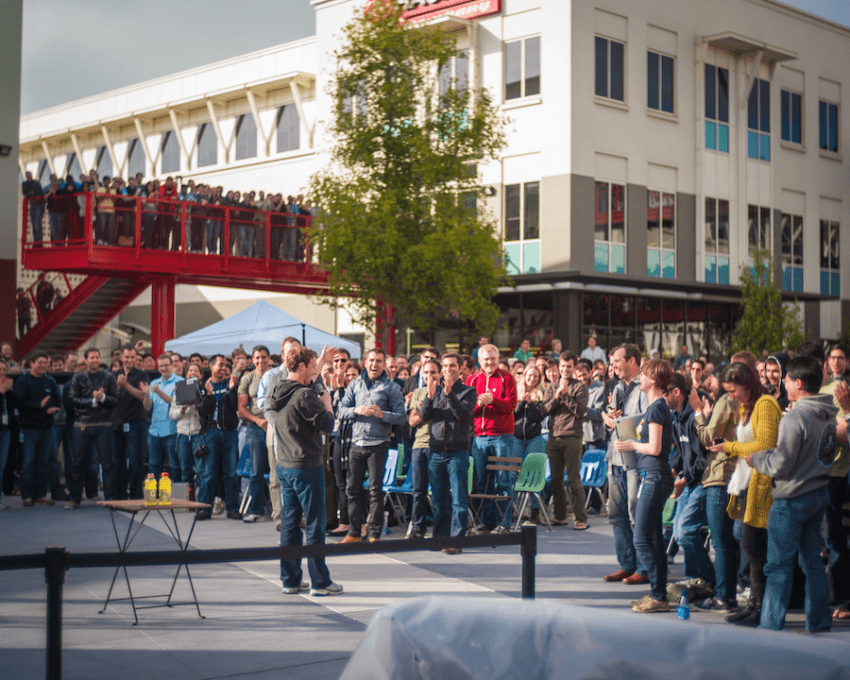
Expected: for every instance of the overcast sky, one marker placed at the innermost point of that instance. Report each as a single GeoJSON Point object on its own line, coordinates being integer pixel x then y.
{"type": "Point", "coordinates": [76, 49]}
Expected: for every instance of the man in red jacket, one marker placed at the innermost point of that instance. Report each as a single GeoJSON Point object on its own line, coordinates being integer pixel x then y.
{"type": "Point", "coordinates": [493, 421]}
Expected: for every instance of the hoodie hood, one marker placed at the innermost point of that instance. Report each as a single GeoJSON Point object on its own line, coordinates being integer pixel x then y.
{"type": "Point", "coordinates": [818, 406]}
{"type": "Point", "coordinates": [285, 391]}
{"type": "Point", "coordinates": [781, 359]}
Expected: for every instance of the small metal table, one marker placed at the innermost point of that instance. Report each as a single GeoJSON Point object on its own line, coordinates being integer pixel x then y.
{"type": "Point", "coordinates": [133, 507]}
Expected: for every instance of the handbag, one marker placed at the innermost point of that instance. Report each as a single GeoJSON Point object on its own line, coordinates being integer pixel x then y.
{"type": "Point", "coordinates": [202, 451]}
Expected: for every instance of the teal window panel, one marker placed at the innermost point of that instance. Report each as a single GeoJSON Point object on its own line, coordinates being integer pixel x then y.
{"type": "Point", "coordinates": [618, 259]}
{"type": "Point", "coordinates": [512, 258]}
{"type": "Point", "coordinates": [824, 283]}
{"type": "Point", "coordinates": [653, 262]}
{"type": "Point", "coordinates": [530, 258]}
{"type": "Point", "coordinates": [798, 279]}
{"type": "Point", "coordinates": [600, 256]}
{"type": "Point", "coordinates": [787, 278]}
{"type": "Point", "coordinates": [835, 283]}
{"type": "Point", "coordinates": [764, 147]}
{"type": "Point", "coordinates": [723, 270]}
{"type": "Point", "coordinates": [710, 135]}
{"type": "Point", "coordinates": [723, 138]}
{"type": "Point", "coordinates": [753, 144]}
{"type": "Point", "coordinates": [668, 265]}
{"type": "Point", "coordinates": [711, 269]}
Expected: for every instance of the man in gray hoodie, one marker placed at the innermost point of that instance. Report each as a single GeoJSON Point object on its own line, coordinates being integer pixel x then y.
{"type": "Point", "coordinates": [799, 465]}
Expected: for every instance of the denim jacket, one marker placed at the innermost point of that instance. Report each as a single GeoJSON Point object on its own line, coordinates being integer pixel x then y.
{"type": "Point", "coordinates": [371, 430]}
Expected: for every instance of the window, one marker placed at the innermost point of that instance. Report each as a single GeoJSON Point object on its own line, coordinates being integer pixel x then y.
{"type": "Point", "coordinates": [792, 116]}
{"type": "Point", "coordinates": [522, 228]}
{"type": "Point", "coordinates": [792, 252]}
{"type": "Point", "coordinates": [830, 278]}
{"type": "Point", "coordinates": [609, 249]}
{"type": "Point", "coordinates": [246, 137]}
{"type": "Point", "coordinates": [136, 159]}
{"type": "Point", "coordinates": [716, 240]}
{"type": "Point", "coordinates": [455, 72]}
{"type": "Point", "coordinates": [170, 153]}
{"type": "Point", "coordinates": [609, 68]}
{"type": "Point", "coordinates": [207, 145]}
{"type": "Point", "coordinates": [288, 129]}
{"type": "Point", "coordinates": [758, 231]}
{"type": "Point", "coordinates": [659, 82]}
{"type": "Point", "coordinates": [716, 108]}
{"type": "Point", "coordinates": [72, 167]}
{"type": "Point", "coordinates": [661, 234]}
{"type": "Point", "coordinates": [522, 68]}
{"type": "Point", "coordinates": [758, 121]}
{"type": "Point", "coordinates": [43, 173]}
{"type": "Point", "coordinates": [828, 115]}
{"type": "Point", "coordinates": [103, 162]}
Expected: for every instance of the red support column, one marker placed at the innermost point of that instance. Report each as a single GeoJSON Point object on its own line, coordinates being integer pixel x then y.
{"type": "Point", "coordinates": [162, 313]}
{"type": "Point", "coordinates": [383, 319]}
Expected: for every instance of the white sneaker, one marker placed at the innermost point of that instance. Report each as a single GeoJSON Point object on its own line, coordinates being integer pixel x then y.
{"type": "Point", "coordinates": [300, 588]}
{"type": "Point", "coordinates": [331, 589]}
{"type": "Point", "coordinates": [218, 506]}
{"type": "Point", "coordinates": [248, 519]}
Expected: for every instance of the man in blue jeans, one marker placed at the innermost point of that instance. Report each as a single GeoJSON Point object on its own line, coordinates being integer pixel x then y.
{"type": "Point", "coordinates": [130, 426]}
{"type": "Point", "coordinates": [255, 433]}
{"type": "Point", "coordinates": [162, 433]}
{"type": "Point", "coordinates": [301, 417]}
{"type": "Point", "coordinates": [420, 453]}
{"type": "Point", "coordinates": [799, 466]}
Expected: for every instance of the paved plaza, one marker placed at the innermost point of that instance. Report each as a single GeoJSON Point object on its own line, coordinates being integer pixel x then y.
{"type": "Point", "coordinates": [251, 629]}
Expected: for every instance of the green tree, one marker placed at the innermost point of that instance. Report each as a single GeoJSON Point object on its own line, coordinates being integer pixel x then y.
{"type": "Point", "coordinates": [398, 226]}
{"type": "Point", "coordinates": [766, 321]}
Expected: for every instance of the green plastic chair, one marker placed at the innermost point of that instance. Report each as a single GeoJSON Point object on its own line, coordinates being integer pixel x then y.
{"type": "Point", "coordinates": [529, 483]}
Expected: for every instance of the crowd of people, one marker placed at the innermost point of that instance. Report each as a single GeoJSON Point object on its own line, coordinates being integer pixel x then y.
{"type": "Point", "coordinates": [115, 204]}
{"type": "Point", "coordinates": [757, 452]}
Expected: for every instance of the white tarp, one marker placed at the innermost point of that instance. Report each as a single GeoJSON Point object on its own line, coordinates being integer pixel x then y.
{"type": "Point", "coordinates": [448, 638]}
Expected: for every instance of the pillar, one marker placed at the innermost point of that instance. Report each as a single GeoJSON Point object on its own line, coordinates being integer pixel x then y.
{"type": "Point", "coordinates": [162, 313]}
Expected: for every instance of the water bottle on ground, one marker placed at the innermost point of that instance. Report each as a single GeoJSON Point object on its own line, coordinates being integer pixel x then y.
{"type": "Point", "coordinates": [164, 489]}
{"type": "Point", "coordinates": [684, 612]}
{"type": "Point", "coordinates": [150, 490]}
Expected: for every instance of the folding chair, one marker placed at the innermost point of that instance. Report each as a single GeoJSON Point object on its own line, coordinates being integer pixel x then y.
{"type": "Point", "coordinates": [503, 503]}
{"type": "Point", "coordinates": [392, 490]}
{"type": "Point", "coordinates": [594, 473]}
{"type": "Point", "coordinates": [667, 517]}
{"type": "Point", "coordinates": [245, 469]}
{"type": "Point", "coordinates": [531, 480]}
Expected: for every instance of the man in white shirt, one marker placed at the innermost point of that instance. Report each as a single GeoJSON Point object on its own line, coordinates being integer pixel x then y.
{"type": "Point", "coordinates": [593, 353]}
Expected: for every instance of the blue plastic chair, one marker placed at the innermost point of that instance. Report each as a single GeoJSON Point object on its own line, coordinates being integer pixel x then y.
{"type": "Point", "coordinates": [594, 473]}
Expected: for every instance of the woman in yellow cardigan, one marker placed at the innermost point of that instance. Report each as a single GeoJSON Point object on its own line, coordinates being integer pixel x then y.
{"type": "Point", "coordinates": [760, 415]}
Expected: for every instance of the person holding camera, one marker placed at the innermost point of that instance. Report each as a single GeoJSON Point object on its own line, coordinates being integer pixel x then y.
{"type": "Point", "coordinates": [190, 443]}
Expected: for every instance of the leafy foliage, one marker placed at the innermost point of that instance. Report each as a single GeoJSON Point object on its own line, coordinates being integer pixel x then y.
{"type": "Point", "coordinates": [766, 321]}
{"type": "Point", "coordinates": [397, 224]}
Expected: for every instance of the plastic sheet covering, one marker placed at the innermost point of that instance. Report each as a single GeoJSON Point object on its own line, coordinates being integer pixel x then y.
{"type": "Point", "coordinates": [448, 638]}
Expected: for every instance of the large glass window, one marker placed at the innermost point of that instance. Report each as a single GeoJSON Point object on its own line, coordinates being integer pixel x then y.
{"type": "Point", "coordinates": [792, 252]}
{"type": "Point", "coordinates": [104, 162]}
{"type": "Point", "coordinates": [43, 173]}
{"type": "Point", "coordinates": [659, 78]}
{"type": "Point", "coordinates": [758, 232]}
{"type": "Point", "coordinates": [830, 276]}
{"type": "Point", "coordinates": [828, 126]}
{"type": "Point", "coordinates": [661, 234]}
{"type": "Point", "coordinates": [246, 137]}
{"type": "Point", "coordinates": [289, 128]}
{"type": "Point", "coordinates": [170, 153]}
{"type": "Point", "coordinates": [135, 158]}
{"type": "Point", "coordinates": [758, 121]}
{"type": "Point", "coordinates": [72, 167]}
{"type": "Point", "coordinates": [522, 228]}
{"type": "Point", "coordinates": [207, 145]}
{"type": "Point", "coordinates": [792, 116]}
{"type": "Point", "coordinates": [716, 108]}
{"type": "Point", "coordinates": [609, 68]}
{"type": "Point", "coordinates": [716, 240]}
{"type": "Point", "coordinates": [455, 72]}
{"type": "Point", "coordinates": [522, 68]}
{"type": "Point", "coordinates": [609, 234]}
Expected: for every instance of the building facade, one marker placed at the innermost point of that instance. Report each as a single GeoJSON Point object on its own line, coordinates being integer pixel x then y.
{"type": "Point", "coordinates": [653, 147]}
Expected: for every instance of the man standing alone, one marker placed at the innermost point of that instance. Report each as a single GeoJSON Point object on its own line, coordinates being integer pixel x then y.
{"type": "Point", "coordinates": [301, 416]}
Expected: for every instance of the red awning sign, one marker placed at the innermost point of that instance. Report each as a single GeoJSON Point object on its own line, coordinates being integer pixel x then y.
{"type": "Point", "coordinates": [421, 10]}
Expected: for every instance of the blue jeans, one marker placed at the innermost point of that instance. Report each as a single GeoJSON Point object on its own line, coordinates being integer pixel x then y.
{"type": "Point", "coordinates": [794, 527]}
{"type": "Point", "coordinates": [57, 225]}
{"type": "Point", "coordinates": [129, 450]}
{"type": "Point", "coordinates": [501, 445]}
{"type": "Point", "coordinates": [39, 446]}
{"type": "Point", "coordinates": [649, 543]}
{"type": "Point", "coordinates": [449, 474]}
{"type": "Point", "coordinates": [618, 516]}
{"type": "Point", "coordinates": [419, 476]}
{"type": "Point", "coordinates": [720, 525]}
{"type": "Point", "coordinates": [97, 441]}
{"type": "Point", "coordinates": [255, 438]}
{"type": "Point", "coordinates": [213, 237]}
{"type": "Point", "coordinates": [160, 449]}
{"type": "Point", "coordinates": [303, 495]}
{"type": "Point", "coordinates": [37, 215]}
{"type": "Point", "coordinates": [5, 441]}
{"type": "Point", "coordinates": [222, 446]}
{"type": "Point", "coordinates": [688, 532]}
{"type": "Point", "coordinates": [186, 445]}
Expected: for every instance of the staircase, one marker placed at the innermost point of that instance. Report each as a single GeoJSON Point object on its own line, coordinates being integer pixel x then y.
{"type": "Point", "coordinates": [86, 309]}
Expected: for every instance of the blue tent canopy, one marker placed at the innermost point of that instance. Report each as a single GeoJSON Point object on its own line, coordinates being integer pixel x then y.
{"type": "Point", "coordinates": [260, 324]}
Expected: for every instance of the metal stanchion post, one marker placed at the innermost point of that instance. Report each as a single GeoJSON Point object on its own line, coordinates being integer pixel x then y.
{"type": "Point", "coordinates": [528, 550]}
{"type": "Point", "coordinates": [54, 574]}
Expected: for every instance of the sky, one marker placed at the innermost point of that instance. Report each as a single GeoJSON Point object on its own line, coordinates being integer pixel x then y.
{"type": "Point", "coordinates": [77, 49]}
